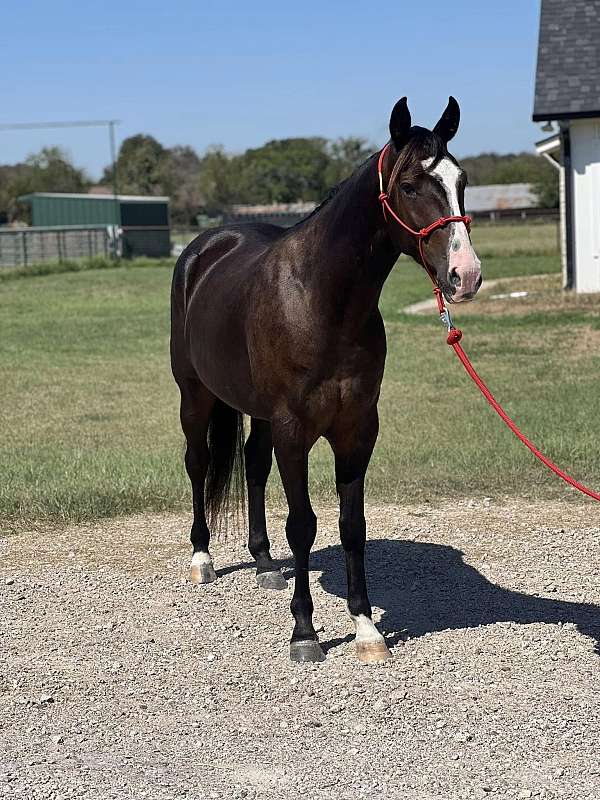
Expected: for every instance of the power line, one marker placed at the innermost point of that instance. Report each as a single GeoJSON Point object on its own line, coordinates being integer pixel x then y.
{"type": "Point", "coordinates": [78, 123]}
{"type": "Point", "coordinates": [83, 123]}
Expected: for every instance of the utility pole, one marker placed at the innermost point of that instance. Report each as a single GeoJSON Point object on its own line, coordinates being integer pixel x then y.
{"type": "Point", "coordinates": [83, 123]}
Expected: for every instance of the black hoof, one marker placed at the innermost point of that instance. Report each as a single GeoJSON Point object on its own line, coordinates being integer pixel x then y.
{"type": "Point", "coordinates": [271, 580]}
{"type": "Point", "coordinates": [306, 650]}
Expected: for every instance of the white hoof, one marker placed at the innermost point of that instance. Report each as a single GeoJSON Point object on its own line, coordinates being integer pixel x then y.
{"type": "Point", "coordinates": [202, 570]}
{"type": "Point", "coordinates": [370, 644]}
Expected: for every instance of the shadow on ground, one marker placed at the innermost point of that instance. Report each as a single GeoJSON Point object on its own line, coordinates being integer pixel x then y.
{"type": "Point", "coordinates": [423, 587]}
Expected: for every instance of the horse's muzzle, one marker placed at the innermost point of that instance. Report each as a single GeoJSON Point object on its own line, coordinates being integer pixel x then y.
{"type": "Point", "coordinates": [464, 275]}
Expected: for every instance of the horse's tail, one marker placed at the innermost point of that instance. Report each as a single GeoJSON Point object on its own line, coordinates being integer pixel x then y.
{"type": "Point", "coordinates": [224, 488]}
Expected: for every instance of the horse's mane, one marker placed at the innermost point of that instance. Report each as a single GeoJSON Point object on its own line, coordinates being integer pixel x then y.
{"type": "Point", "coordinates": [330, 193]}
{"type": "Point", "coordinates": [336, 189]}
{"type": "Point", "coordinates": [422, 145]}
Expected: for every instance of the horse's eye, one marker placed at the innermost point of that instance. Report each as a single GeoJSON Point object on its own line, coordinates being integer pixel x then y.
{"type": "Point", "coordinates": [408, 189]}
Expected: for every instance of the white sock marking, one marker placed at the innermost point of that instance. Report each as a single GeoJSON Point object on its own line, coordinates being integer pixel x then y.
{"type": "Point", "coordinates": [199, 558]}
{"type": "Point", "coordinates": [365, 629]}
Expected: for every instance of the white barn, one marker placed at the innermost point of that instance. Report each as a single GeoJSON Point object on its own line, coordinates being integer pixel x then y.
{"type": "Point", "coordinates": [567, 92]}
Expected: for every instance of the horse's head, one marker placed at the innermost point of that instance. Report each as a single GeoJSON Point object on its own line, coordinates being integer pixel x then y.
{"type": "Point", "coordinates": [424, 184]}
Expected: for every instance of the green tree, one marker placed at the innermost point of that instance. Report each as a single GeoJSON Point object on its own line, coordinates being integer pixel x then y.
{"type": "Point", "coordinates": [282, 171]}
{"type": "Point", "coordinates": [50, 170]}
{"type": "Point", "coordinates": [216, 180]}
{"type": "Point", "coordinates": [345, 156]}
{"type": "Point", "coordinates": [140, 166]}
{"type": "Point", "coordinates": [490, 168]}
{"type": "Point", "coordinates": [547, 189]}
{"type": "Point", "coordinates": [180, 180]}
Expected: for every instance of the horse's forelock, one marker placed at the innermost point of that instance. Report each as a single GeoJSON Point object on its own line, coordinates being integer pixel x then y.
{"type": "Point", "coordinates": [424, 145]}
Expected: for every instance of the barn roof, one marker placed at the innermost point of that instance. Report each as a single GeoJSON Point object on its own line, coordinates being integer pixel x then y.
{"type": "Point", "coordinates": [498, 196]}
{"type": "Point", "coordinates": [567, 83]}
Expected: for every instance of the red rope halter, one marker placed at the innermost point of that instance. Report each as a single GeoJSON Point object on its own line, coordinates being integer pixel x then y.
{"type": "Point", "coordinates": [455, 334]}
{"type": "Point", "coordinates": [422, 234]}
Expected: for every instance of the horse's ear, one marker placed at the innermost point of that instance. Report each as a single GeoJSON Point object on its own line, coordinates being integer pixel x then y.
{"type": "Point", "coordinates": [448, 124]}
{"type": "Point", "coordinates": [400, 123]}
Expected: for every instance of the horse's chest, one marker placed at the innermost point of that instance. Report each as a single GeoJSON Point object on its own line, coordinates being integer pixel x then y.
{"type": "Point", "coordinates": [341, 395]}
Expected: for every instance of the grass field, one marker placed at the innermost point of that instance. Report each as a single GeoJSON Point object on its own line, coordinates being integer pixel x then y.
{"type": "Point", "coordinates": [89, 413]}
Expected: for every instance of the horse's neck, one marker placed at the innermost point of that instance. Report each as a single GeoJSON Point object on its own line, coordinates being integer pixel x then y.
{"type": "Point", "coordinates": [353, 252]}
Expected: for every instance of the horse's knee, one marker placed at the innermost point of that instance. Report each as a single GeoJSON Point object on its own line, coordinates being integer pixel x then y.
{"type": "Point", "coordinates": [301, 530]}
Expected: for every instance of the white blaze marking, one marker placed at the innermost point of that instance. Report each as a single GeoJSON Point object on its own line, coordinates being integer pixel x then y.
{"type": "Point", "coordinates": [448, 173]}
{"type": "Point", "coordinates": [198, 559]}
{"type": "Point", "coordinates": [365, 629]}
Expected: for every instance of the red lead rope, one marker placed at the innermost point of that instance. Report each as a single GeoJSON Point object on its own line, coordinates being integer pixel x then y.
{"type": "Point", "coordinates": [455, 334]}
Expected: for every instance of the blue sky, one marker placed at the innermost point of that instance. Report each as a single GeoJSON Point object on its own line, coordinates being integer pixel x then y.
{"type": "Point", "coordinates": [238, 74]}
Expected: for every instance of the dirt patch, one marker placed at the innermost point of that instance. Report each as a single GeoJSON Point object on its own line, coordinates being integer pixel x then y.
{"type": "Point", "coordinates": [121, 680]}
{"type": "Point", "coordinates": [544, 294]}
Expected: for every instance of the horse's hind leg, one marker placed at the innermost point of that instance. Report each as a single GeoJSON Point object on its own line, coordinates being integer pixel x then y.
{"type": "Point", "coordinates": [196, 406]}
{"type": "Point", "coordinates": [258, 456]}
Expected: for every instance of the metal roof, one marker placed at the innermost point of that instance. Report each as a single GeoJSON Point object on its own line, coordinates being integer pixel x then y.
{"type": "Point", "coordinates": [129, 198]}
{"type": "Point", "coordinates": [567, 84]}
{"type": "Point", "coordinates": [497, 196]}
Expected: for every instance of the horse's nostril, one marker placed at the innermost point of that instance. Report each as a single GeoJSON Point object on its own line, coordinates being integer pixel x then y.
{"type": "Point", "coordinates": [454, 278]}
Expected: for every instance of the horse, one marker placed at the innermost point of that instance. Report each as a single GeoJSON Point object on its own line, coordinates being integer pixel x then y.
{"type": "Point", "coordinates": [283, 325]}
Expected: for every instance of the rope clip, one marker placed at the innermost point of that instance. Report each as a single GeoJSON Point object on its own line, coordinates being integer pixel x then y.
{"type": "Point", "coordinates": [446, 319]}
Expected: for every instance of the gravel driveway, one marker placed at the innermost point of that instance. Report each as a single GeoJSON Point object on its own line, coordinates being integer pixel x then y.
{"type": "Point", "coordinates": [118, 679]}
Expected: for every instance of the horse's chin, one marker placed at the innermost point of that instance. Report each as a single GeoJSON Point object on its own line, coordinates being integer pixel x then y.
{"type": "Point", "coordinates": [464, 298]}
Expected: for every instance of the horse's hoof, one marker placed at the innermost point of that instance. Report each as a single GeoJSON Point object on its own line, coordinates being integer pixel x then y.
{"type": "Point", "coordinates": [372, 652]}
{"type": "Point", "coordinates": [271, 580]}
{"type": "Point", "coordinates": [306, 650]}
{"type": "Point", "coordinates": [203, 573]}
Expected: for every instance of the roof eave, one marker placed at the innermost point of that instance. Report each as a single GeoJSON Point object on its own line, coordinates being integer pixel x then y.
{"type": "Point", "coordinates": [550, 116]}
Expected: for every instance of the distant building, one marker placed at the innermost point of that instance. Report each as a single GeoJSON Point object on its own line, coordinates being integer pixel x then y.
{"type": "Point", "coordinates": [284, 214]}
{"type": "Point", "coordinates": [141, 222]}
{"type": "Point", "coordinates": [497, 198]}
{"type": "Point", "coordinates": [567, 91]}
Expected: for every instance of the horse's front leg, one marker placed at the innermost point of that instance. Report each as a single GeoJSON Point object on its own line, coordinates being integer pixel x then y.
{"type": "Point", "coordinates": [352, 446]}
{"type": "Point", "coordinates": [291, 451]}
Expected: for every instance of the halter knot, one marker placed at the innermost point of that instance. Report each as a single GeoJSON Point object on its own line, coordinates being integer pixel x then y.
{"type": "Point", "coordinates": [439, 223]}
{"type": "Point", "coordinates": [383, 197]}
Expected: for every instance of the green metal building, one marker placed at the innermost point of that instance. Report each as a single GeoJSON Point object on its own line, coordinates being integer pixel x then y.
{"type": "Point", "coordinates": [144, 221]}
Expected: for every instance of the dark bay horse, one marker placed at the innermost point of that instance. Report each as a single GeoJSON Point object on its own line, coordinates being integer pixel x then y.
{"type": "Point", "coordinates": [284, 325]}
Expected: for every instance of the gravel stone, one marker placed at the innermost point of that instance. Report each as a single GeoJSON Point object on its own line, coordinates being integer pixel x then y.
{"type": "Point", "coordinates": [120, 679]}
